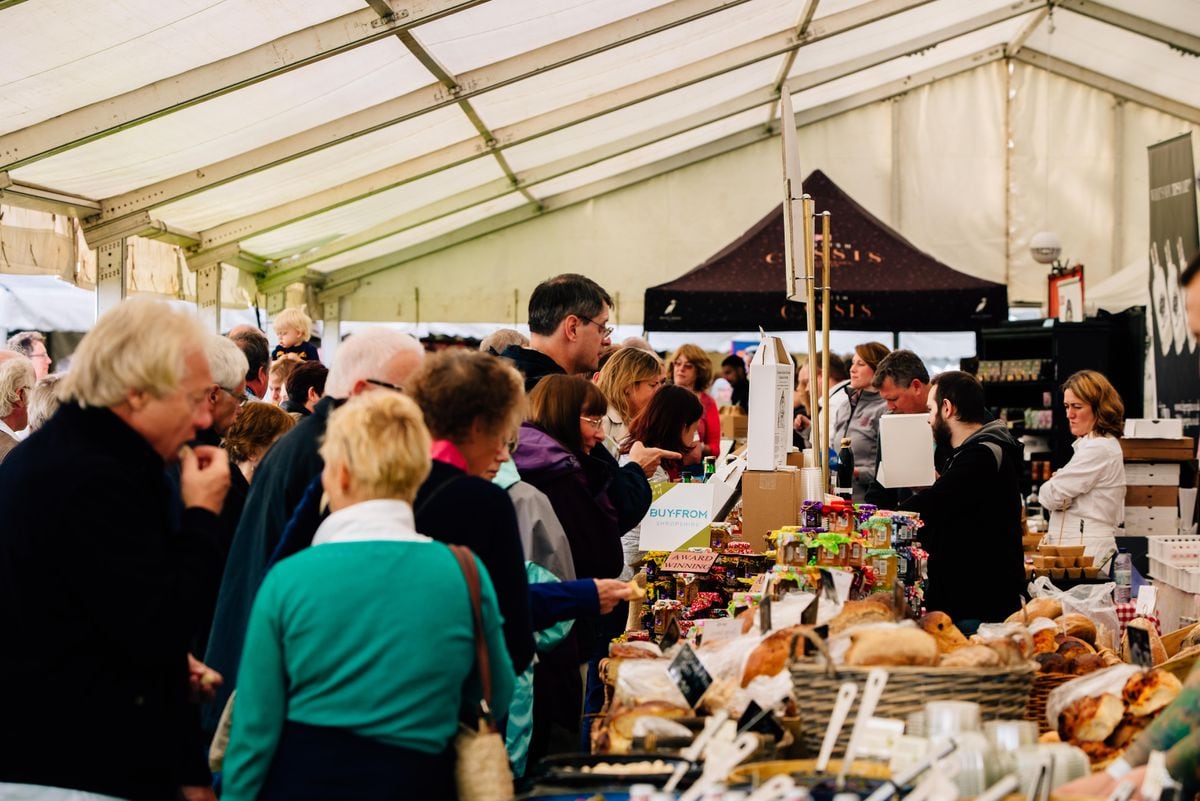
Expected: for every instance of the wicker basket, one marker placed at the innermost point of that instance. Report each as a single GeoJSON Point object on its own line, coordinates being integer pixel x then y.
{"type": "Point", "coordinates": [1043, 683]}
{"type": "Point", "coordinates": [1002, 693]}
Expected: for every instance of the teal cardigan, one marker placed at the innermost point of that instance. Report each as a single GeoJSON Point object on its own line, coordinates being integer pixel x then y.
{"type": "Point", "coordinates": [374, 637]}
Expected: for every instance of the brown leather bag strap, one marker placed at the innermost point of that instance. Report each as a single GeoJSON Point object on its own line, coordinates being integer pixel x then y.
{"type": "Point", "coordinates": [466, 561]}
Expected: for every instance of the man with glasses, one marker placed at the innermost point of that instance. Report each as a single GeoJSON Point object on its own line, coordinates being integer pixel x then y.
{"type": "Point", "coordinates": [371, 360]}
{"type": "Point", "coordinates": [568, 328]}
{"type": "Point", "coordinates": [227, 394]}
{"type": "Point", "coordinates": [32, 345]}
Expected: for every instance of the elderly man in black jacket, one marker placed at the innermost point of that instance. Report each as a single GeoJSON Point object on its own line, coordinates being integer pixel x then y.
{"type": "Point", "coordinates": [97, 586]}
{"type": "Point", "coordinates": [972, 513]}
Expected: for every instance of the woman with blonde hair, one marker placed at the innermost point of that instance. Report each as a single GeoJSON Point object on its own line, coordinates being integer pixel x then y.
{"type": "Point", "coordinates": [1086, 496]}
{"type": "Point", "coordinates": [351, 682]}
{"type": "Point", "coordinates": [628, 380]}
{"type": "Point", "coordinates": [692, 369]}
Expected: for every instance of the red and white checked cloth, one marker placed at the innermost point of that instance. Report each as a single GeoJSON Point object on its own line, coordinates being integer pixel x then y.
{"type": "Point", "coordinates": [1126, 613]}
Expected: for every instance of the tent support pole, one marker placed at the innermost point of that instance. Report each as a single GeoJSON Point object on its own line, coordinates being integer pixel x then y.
{"type": "Point", "coordinates": [208, 296]}
{"type": "Point", "coordinates": [1118, 224]}
{"type": "Point", "coordinates": [112, 262]}
{"type": "Point", "coordinates": [826, 249]}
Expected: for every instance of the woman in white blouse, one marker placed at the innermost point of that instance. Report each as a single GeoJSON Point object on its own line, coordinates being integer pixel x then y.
{"type": "Point", "coordinates": [1086, 498]}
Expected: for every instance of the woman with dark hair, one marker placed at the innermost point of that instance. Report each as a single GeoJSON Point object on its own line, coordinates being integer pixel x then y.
{"type": "Point", "coordinates": [1086, 496]}
{"type": "Point", "coordinates": [692, 369]}
{"type": "Point", "coordinates": [858, 419]}
{"type": "Point", "coordinates": [669, 421]}
{"type": "Point", "coordinates": [566, 423]}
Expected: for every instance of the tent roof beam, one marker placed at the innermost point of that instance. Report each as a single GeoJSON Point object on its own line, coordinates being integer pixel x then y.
{"type": "Point", "coordinates": [710, 150]}
{"type": "Point", "coordinates": [1172, 37]}
{"type": "Point", "coordinates": [529, 178]}
{"type": "Point", "coordinates": [299, 49]}
{"type": "Point", "coordinates": [1113, 86]}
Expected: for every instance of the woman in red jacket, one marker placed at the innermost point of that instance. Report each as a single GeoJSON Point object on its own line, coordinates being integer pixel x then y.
{"type": "Point", "coordinates": [692, 369]}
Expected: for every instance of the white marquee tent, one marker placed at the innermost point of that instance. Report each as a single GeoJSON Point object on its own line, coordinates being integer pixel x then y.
{"type": "Point", "coordinates": [433, 160]}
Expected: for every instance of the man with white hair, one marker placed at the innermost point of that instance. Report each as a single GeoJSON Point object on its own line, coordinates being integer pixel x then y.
{"type": "Point", "coordinates": [228, 391]}
{"type": "Point", "coordinates": [97, 587]}
{"type": "Point", "coordinates": [372, 359]}
{"type": "Point", "coordinates": [32, 345]}
{"type": "Point", "coordinates": [16, 383]}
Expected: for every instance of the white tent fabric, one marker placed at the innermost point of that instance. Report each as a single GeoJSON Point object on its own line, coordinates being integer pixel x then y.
{"type": "Point", "coordinates": [1124, 289]}
{"type": "Point", "coordinates": [390, 154]}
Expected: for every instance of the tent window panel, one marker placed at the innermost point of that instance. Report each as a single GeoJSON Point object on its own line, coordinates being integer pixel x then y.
{"type": "Point", "coordinates": [374, 210]}
{"type": "Point", "coordinates": [635, 61]}
{"type": "Point", "coordinates": [642, 116]}
{"type": "Point", "coordinates": [423, 233]}
{"type": "Point", "coordinates": [321, 170]}
{"type": "Point", "coordinates": [234, 123]}
{"type": "Point", "coordinates": [57, 59]}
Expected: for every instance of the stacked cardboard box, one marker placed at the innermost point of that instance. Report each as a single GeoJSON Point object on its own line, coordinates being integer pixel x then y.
{"type": "Point", "coordinates": [1154, 453]}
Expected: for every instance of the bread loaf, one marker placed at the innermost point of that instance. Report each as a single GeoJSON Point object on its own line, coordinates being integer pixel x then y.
{"type": "Point", "coordinates": [1073, 648]}
{"type": "Point", "coordinates": [972, 656]}
{"type": "Point", "coordinates": [1147, 692]}
{"type": "Point", "coordinates": [620, 727]}
{"type": "Point", "coordinates": [1087, 663]}
{"type": "Point", "coordinates": [770, 656]}
{"type": "Point", "coordinates": [1052, 663]}
{"type": "Point", "coordinates": [1191, 639]}
{"type": "Point", "coordinates": [1038, 607]}
{"type": "Point", "coordinates": [1078, 626]}
{"type": "Point", "coordinates": [1045, 641]}
{"type": "Point", "coordinates": [1129, 728]}
{"type": "Point", "coordinates": [939, 626]}
{"type": "Point", "coordinates": [1158, 651]}
{"type": "Point", "coordinates": [1091, 720]}
{"type": "Point", "coordinates": [893, 647]}
{"type": "Point", "coordinates": [858, 613]}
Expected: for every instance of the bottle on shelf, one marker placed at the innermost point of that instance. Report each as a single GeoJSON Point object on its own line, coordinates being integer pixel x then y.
{"type": "Point", "coordinates": [845, 471]}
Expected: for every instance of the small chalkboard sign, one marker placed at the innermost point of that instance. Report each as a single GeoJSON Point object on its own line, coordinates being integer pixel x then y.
{"type": "Point", "coordinates": [671, 635]}
{"type": "Point", "coordinates": [760, 720]}
{"type": "Point", "coordinates": [1139, 647]}
{"type": "Point", "coordinates": [689, 675]}
{"type": "Point", "coordinates": [764, 614]}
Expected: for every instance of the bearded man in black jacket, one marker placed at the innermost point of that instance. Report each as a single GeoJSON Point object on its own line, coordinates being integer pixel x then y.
{"type": "Point", "coordinates": [972, 513]}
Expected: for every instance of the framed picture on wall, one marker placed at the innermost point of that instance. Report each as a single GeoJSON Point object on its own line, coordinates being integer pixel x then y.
{"type": "Point", "coordinates": [1066, 295]}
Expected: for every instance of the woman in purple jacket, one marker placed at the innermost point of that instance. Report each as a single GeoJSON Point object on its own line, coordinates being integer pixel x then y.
{"type": "Point", "coordinates": [567, 416]}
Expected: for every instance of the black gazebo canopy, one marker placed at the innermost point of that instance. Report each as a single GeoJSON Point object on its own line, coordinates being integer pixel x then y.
{"type": "Point", "coordinates": [881, 281]}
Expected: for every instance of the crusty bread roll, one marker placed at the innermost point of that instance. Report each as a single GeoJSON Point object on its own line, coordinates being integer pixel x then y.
{"type": "Point", "coordinates": [1191, 639]}
{"type": "Point", "coordinates": [1158, 651]}
{"type": "Point", "coordinates": [1129, 728]}
{"type": "Point", "coordinates": [939, 626]}
{"type": "Point", "coordinates": [1009, 651]}
{"type": "Point", "coordinates": [620, 726]}
{"type": "Point", "coordinates": [1045, 641]}
{"type": "Point", "coordinates": [858, 613]}
{"type": "Point", "coordinates": [1052, 663]}
{"type": "Point", "coordinates": [1149, 691]}
{"type": "Point", "coordinates": [1038, 607]}
{"type": "Point", "coordinates": [972, 656]}
{"type": "Point", "coordinates": [894, 647]}
{"type": "Point", "coordinates": [1087, 663]}
{"type": "Point", "coordinates": [1091, 720]}
{"type": "Point", "coordinates": [770, 656]}
{"type": "Point", "coordinates": [1078, 626]}
{"type": "Point", "coordinates": [629, 650]}
{"type": "Point", "coordinates": [1099, 754]}
{"type": "Point", "coordinates": [1073, 648]}
{"type": "Point", "coordinates": [1109, 657]}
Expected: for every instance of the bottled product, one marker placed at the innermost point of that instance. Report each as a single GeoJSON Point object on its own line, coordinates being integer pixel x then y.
{"type": "Point", "coordinates": [710, 467]}
{"type": "Point", "coordinates": [1123, 576]}
{"type": "Point", "coordinates": [845, 471]}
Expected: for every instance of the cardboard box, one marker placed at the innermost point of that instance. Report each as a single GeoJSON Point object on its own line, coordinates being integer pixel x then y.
{"type": "Point", "coordinates": [734, 423]}
{"type": "Point", "coordinates": [1182, 449]}
{"type": "Point", "coordinates": [1152, 474]}
{"type": "Point", "coordinates": [770, 499]}
{"type": "Point", "coordinates": [680, 514]}
{"type": "Point", "coordinates": [1151, 496]}
{"type": "Point", "coordinates": [1151, 521]}
{"type": "Point", "coordinates": [772, 378]}
{"type": "Point", "coordinates": [1161, 428]}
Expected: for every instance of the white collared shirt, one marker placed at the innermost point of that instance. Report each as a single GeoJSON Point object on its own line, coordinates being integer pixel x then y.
{"type": "Point", "coordinates": [1092, 484]}
{"type": "Point", "coordinates": [4, 429]}
{"type": "Point", "coordinates": [378, 519]}
{"type": "Point", "coordinates": [39, 792]}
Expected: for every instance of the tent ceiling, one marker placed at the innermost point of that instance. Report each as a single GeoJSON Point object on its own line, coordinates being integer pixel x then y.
{"type": "Point", "coordinates": [327, 141]}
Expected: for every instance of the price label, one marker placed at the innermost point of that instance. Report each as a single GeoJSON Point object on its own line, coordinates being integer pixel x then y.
{"type": "Point", "coordinates": [689, 675]}
{"type": "Point", "coordinates": [690, 561]}
{"type": "Point", "coordinates": [671, 635]}
{"type": "Point", "coordinates": [721, 629]}
{"type": "Point", "coordinates": [1139, 647]}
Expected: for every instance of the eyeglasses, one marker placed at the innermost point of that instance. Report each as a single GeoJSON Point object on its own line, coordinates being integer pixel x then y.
{"type": "Point", "coordinates": [241, 399]}
{"type": "Point", "coordinates": [595, 422]}
{"type": "Point", "coordinates": [385, 384]}
{"type": "Point", "coordinates": [680, 363]}
{"type": "Point", "coordinates": [605, 330]}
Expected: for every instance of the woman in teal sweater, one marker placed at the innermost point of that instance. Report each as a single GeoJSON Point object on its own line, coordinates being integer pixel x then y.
{"type": "Point", "coordinates": [360, 653]}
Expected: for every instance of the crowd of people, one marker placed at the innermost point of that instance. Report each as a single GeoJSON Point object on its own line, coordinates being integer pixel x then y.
{"type": "Point", "coordinates": [218, 555]}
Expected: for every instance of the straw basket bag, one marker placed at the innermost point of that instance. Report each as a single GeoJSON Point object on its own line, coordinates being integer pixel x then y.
{"type": "Point", "coordinates": [481, 771]}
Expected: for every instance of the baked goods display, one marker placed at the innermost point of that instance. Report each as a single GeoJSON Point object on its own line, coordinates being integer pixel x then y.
{"type": "Point", "coordinates": [1158, 651]}
{"type": "Point", "coordinates": [891, 647]}
{"type": "Point", "coordinates": [1103, 724]}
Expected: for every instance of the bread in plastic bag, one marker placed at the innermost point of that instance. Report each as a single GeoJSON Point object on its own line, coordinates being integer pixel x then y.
{"type": "Point", "coordinates": [1109, 681]}
{"type": "Point", "coordinates": [1091, 600]}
